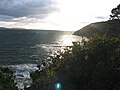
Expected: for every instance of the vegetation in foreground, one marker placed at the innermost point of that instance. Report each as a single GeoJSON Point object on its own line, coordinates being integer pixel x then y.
{"type": "Point", "coordinates": [6, 79]}
{"type": "Point", "coordinates": [89, 65]}
{"type": "Point", "coordinates": [92, 64]}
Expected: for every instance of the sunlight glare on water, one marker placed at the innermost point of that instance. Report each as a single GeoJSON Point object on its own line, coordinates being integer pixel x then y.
{"type": "Point", "coordinates": [66, 40]}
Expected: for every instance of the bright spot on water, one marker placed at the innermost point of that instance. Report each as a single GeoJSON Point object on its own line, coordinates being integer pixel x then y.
{"type": "Point", "coordinates": [66, 40]}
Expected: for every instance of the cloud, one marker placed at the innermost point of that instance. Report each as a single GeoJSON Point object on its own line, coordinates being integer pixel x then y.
{"type": "Point", "coordinates": [101, 17]}
{"type": "Point", "coordinates": [26, 8]}
{"type": "Point", "coordinates": [5, 18]}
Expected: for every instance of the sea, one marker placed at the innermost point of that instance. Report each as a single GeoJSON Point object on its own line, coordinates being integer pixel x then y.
{"type": "Point", "coordinates": [24, 49]}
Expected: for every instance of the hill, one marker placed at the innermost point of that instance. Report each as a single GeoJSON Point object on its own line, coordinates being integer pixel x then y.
{"type": "Point", "coordinates": [109, 27]}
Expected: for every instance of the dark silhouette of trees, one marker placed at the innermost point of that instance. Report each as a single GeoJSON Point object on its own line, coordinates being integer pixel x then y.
{"type": "Point", "coordinates": [115, 13]}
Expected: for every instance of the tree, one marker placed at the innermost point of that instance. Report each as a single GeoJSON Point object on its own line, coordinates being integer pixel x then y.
{"type": "Point", "coordinates": [115, 12]}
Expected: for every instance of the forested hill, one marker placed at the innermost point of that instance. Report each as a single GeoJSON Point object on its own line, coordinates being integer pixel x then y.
{"type": "Point", "coordinates": [109, 27]}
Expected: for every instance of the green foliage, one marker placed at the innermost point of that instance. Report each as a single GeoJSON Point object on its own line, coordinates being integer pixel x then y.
{"type": "Point", "coordinates": [6, 79]}
{"type": "Point", "coordinates": [42, 80]}
{"type": "Point", "coordinates": [94, 64]}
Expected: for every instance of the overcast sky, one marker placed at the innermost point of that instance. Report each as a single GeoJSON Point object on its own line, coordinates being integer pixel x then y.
{"type": "Point", "coordinates": [54, 14]}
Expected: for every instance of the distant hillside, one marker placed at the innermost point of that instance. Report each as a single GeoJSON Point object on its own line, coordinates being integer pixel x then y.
{"type": "Point", "coordinates": [4, 28]}
{"type": "Point", "coordinates": [12, 29]}
{"type": "Point", "coordinates": [109, 27]}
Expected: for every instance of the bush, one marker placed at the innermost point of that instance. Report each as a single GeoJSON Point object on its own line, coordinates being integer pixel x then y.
{"type": "Point", "coordinates": [94, 64]}
{"type": "Point", "coordinates": [6, 79]}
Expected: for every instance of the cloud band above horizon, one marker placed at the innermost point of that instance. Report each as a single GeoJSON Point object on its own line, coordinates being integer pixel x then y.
{"type": "Point", "coordinates": [26, 8]}
{"type": "Point", "coordinates": [54, 14]}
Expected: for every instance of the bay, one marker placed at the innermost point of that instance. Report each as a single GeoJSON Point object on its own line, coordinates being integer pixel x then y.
{"type": "Point", "coordinates": [31, 47]}
{"type": "Point", "coordinates": [24, 49]}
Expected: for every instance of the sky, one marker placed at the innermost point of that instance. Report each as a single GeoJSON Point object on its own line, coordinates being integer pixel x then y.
{"type": "Point", "coordinates": [65, 15]}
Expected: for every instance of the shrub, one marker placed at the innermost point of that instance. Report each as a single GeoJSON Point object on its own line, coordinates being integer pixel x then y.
{"type": "Point", "coordinates": [94, 64]}
{"type": "Point", "coordinates": [6, 79]}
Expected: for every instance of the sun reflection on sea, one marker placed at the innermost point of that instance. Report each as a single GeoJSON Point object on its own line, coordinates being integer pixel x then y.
{"type": "Point", "coordinates": [66, 40]}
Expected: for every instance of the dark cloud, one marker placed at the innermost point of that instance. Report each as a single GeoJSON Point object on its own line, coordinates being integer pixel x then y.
{"type": "Point", "coordinates": [5, 18]}
{"type": "Point", "coordinates": [26, 8]}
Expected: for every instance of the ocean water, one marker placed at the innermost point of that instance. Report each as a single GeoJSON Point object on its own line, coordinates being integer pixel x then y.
{"type": "Point", "coordinates": [23, 50]}
{"type": "Point", "coordinates": [31, 47]}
